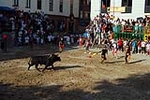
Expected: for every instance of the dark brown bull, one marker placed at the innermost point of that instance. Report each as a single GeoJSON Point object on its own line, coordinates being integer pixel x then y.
{"type": "Point", "coordinates": [47, 60]}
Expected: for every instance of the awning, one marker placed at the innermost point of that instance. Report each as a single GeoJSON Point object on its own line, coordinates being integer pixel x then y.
{"type": "Point", "coordinates": [5, 8]}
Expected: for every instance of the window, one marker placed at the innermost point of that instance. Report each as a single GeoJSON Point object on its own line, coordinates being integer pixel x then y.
{"type": "Point", "coordinates": [104, 5]}
{"type": "Point", "coordinates": [28, 3]}
{"type": "Point", "coordinates": [147, 6]}
{"type": "Point", "coordinates": [39, 4]}
{"type": "Point", "coordinates": [16, 2]}
{"type": "Point", "coordinates": [61, 6]}
{"type": "Point", "coordinates": [147, 2]}
{"type": "Point", "coordinates": [71, 6]}
{"type": "Point", "coordinates": [88, 2]}
{"type": "Point", "coordinates": [50, 5]}
{"type": "Point", "coordinates": [124, 2]}
{"type": "Point", "coordinates": [128, 5]}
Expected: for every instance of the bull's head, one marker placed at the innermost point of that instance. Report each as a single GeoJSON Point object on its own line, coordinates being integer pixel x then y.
{"type": "Point", "coordinates": [55, 57]}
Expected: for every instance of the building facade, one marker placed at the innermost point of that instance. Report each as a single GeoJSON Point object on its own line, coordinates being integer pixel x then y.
{"type": "Point", "coordinates": [124, 9]}
{"type": "Point", "coordinates": [66, 10]}
{"type": "Point", "coordinates": [84, 12]}
{"type": "Point", "coordinates": [76, 13]}
{"type": "Point", "coordinates": [52, 7]}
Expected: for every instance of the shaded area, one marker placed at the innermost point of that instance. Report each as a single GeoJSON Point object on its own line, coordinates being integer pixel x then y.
{"type": "Point", "coordinates": [137, 61]}
{"type": "Point", "coordinates": [66, 67]}
{"type": "Point", "coordinates": [135, 87]}
{"type": "Point", "coordinates": [113, 62]}
{"type": "Point", "coordinates": [10, 92]}
{"type": "Point", "coordinates": [25, 52]}
{"type": "Point", "coordinates": [52, 92]}
{"type": "Point", "coordinates": [120, 61]}
{"type": "Point", "coordinates": [59, 67]}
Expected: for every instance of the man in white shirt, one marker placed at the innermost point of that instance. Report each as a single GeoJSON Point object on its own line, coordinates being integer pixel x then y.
{"type": "Point", "coordinates": [143, 47]}
{"type": "Point", "coordinates": [148, 48]}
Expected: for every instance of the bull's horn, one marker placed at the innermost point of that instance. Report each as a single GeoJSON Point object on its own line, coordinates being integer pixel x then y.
{"type": "Point", "coordinates": [56, 54]}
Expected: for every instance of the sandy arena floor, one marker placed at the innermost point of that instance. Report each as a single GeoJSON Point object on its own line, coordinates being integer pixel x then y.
{"type": "Point", "coordinates": [77, 77]}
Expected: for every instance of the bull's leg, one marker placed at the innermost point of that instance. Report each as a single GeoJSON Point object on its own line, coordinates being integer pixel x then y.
{"type": "Point", "coordinates": [53, 67]}
{"type": "Point", "coordinates": [29, 66]}
{"type": "Point", "coordinates": [47, 67]}
{"type": "Point", "coordinates": [44, 68]}
{"type": "Point", "coordinates": [36, 66]}
{"type": "Point", "coordinates": [102, 60]}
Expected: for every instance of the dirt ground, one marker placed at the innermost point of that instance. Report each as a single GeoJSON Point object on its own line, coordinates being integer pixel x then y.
{"type": "Point", "coordinates": [77, 76]}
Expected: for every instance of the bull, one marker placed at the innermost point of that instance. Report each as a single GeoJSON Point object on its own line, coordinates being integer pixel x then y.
{"type": "Point", "coordinates": [47, 60]}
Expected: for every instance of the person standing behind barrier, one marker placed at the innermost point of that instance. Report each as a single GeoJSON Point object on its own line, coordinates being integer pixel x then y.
{"type": "Point", "coordinates": [80, 41]}
{"type": "Point", "coordinates": [114, 49]}
{"type": "Point", "coordinates": [31, 41]}
{"type": "Point", "coordinates": [123, 25]}
{"type": "Point", "coordinates": [4, 43]}
{"type": "Point", "coordinates": [148, 48]}
{"type": "Point", "coordinates": [120, 44]}
{"type": "Point", "coordinates": [139, 46]}
{"type": "Point", "coordinates": [125, 43]}
{"type": "Point", "coordinates": [87, 45]}
{"type": "Point", "coordinates": [143, 47]}
{"type": "Point", "coordinates": [134, 46]}
{"type": "Point", "coordinates": [136, 27]}
{"type": "Point", "coordinates": [127, 53]}
{"type": "Point", "coordinates": [61, 45]}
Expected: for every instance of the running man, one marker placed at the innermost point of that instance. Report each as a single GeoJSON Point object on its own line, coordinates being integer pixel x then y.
{"type": "Point", "coordinates": [127, 53]}
{"type": "Point", "coordinates": [104, 54]}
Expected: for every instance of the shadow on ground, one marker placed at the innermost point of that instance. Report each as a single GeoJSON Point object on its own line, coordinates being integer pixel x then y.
{"type": "Point", "coordinates": [58, 68]}
{"type": "Point", "coordinates": [66, 67]}
{"type": "Point", "coordinates": [25, 52]}
{"type": "Point", "coordinates": [121, 61]}
{"type": "Point", "coordinates": [135, 87]}
{"type": "Point", "coordinates": [137, 61]}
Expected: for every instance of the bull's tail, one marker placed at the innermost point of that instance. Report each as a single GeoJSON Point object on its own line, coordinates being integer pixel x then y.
{"type": "Point", "coordinates": [29, 62]}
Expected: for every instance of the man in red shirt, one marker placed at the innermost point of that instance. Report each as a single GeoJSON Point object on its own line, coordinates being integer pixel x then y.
{"type": "Point", "coordinates": [120, 44]}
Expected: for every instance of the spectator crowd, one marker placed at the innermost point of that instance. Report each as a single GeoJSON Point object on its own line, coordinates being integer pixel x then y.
{"type": "Point", "coordinates": [38, 29]}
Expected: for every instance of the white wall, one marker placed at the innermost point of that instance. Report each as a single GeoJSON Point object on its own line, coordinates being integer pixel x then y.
{"type": "Point", "coordinates": [45, 6]}
{"type": "Point", "coordinates": [8, 3]}
{"type": "Point", "coordinates": [137, 9]}
{"type": "Point", "coordinates": [95, 8]}
{"type": "Point", "coordinates": [76, 8]}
